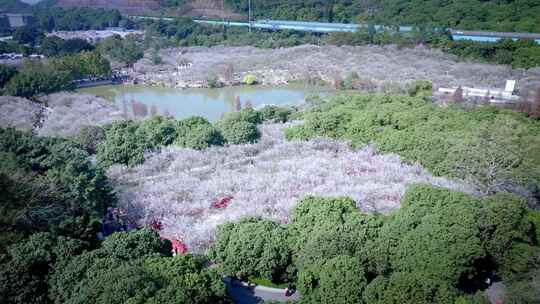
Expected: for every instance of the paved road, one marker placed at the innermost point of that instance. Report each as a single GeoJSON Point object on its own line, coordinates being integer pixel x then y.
{"type": "Point", "coordinates": [241, 294]}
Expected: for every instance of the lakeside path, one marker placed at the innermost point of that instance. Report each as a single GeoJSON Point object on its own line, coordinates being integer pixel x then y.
{"type": "Point", "coordinates": [241, 293]}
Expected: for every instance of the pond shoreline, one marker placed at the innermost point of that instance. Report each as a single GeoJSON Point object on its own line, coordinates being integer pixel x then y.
{"type": "Point", "coordinates": [143, 101]}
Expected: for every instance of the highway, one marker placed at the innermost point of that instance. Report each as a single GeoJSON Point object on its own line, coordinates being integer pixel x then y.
{"type": "Point", "coordinates": [323, 27]}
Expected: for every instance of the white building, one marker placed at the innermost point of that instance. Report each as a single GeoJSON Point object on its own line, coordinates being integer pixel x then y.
{"type": "Point", "coordinates": [494, 95]}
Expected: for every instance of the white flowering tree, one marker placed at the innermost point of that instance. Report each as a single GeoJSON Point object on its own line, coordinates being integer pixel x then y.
{"type": "Point", "coordinates": [191, 192]}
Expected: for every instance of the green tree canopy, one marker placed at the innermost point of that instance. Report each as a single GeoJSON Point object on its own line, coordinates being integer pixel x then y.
{"type": "Point", "coordinates": [197, 133]}
{"type": "Point", "coordinates": [25, 267]}
{"type": "Point", "coordinates": [82, 65]}
{"type": "Point", "coordinates": [49, 185]}
{"type": "Point", "coordinates": [123, 144]}
{"type": "Point", "coordinates": [237, 131]}
{"type": "Point", "coordinates": [6, 73]}
{"type": "Point", "coordinates": [38, 79]}
{"type": "Point", "coordinates": [339, 280]}
{"type": "Point", "coordinates": [135, 267]}
{"type": "Point", "coordinates": [125, 50]}
{"type": "Point", "coordinates": [266, 257]}
{"type": "Point", "coordinates": [159, 130]}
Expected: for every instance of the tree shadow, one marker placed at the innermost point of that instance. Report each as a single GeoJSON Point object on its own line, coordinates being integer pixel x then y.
{"type": "Point", "coordinates": [241, 294]}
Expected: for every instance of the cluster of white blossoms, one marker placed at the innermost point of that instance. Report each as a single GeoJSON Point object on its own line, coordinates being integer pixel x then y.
{"type": "Point", "coordinates": [19, 113]}
{"type": "Point", "coordinates": [68, 113]}
{"type": "Point", "coordinates": [180, 187]}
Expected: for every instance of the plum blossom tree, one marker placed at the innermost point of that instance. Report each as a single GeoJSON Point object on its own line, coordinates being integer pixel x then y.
{"type": "Point", "coordinates": [180, 187]}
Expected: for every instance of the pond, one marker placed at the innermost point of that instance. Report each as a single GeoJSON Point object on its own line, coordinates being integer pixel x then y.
{"type": "Point", "coordinates": [208, 103]}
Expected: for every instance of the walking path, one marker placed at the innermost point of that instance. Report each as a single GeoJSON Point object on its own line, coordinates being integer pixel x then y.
{"type": "Point", "coordinates": [241, 293]}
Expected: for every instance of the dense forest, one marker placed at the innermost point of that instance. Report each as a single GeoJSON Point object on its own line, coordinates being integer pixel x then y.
{"type": "Point", "coordinates": [506, 15]}
{"type": "Point", "coordinates": [518, 16]}
{"type": "Point", "coordinates": [52, 18]}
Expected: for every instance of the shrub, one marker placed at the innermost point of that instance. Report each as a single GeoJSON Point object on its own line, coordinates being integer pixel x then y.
{"type": "Point", "coordinates": [527, 57]}
{"type": "Point", "coordinates": [534, 217]}
{"type": "Point", "coordinates": [202, 137]}
{"type": "Point", "coordinates": [197, 133]}
{"type": "Point", "coordinates": [6, 73]}
{"type": "Point", "coordinates": [508, 233]}
{"type": "Point", "coordinates": [248, 114]}
{"type": "Point", "coordinates": [350, 80]}
{"type": "Point", "coordinates": [249, 79]}
{"type": "Point", "coordinates": [421, 88]}
{"type": "Point", "coordinates": [275, 114]}
{"type": "Point", "coordinates": [159, 130]}
{"type": "Point", "coordinates": [213, 81]}
{"type": "Point", "coordinates": [409, 288]}
{"type": "Point", "coordinates": [82, 65]}
{"type": "Point", "coordinates": [39, 80]}
{"type": "Point", "coordinates": [90, 137]}
{"type": "Point", "coordinates": [339, 280]}
{"type": "Point", "coordinates": [268, 257]}
{"type": "Point", "coordinates": [236, 131]}
{"type": "Point", "coordinates": [124, 144]}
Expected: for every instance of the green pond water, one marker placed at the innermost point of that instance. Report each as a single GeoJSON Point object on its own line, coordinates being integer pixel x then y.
{"type": "Point", "coordinates": [208, 103]}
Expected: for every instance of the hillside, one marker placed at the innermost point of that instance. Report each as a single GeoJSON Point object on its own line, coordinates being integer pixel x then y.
{"type": "Point", "coordinates": [191, 8]}
{"type": "Point", "coordinates": [125, 6]}
{"type": "Point", "coordinates": [13, 6]}
{"type": "Point", "coordinates": [519, 16]}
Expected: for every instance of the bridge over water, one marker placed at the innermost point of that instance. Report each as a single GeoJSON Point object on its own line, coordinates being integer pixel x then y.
{"type": "Point", "coordinates": [323, 27]}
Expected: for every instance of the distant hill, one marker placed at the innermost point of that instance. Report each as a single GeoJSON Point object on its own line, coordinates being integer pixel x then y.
{"type": "Point", "coordinates": [191, 8]}
{"type": "Point", "coordinates": [14, 6]}
{"type": "Point", "coordinates": [496, 15]}
{"type": "Point", "coordinates": [124, 6]}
